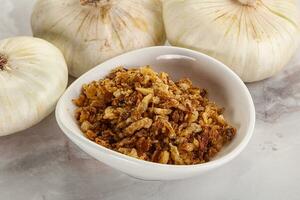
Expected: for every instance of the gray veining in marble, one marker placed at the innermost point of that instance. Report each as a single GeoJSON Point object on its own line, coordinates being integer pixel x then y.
{"type": "Point", "coordinates": [42, 164]}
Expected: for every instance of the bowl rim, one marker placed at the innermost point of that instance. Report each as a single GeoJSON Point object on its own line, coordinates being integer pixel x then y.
{"type": "Point", "coordinates": [210, 164]}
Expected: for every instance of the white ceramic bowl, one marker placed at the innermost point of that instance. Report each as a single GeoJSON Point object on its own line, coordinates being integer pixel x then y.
{"type": "Point", "coordinates": [223, 85]}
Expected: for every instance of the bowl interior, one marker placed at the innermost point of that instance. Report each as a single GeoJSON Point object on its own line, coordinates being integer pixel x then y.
{"type": "Point", "coordinates": [223, 86]}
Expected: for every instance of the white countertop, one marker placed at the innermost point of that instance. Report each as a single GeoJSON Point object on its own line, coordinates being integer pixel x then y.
{"type": "Point", "coordinates": [41, 163]}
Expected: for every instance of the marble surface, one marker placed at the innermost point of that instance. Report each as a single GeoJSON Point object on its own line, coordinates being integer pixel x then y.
{"type": "Point", "coordinates": [41, 163]}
